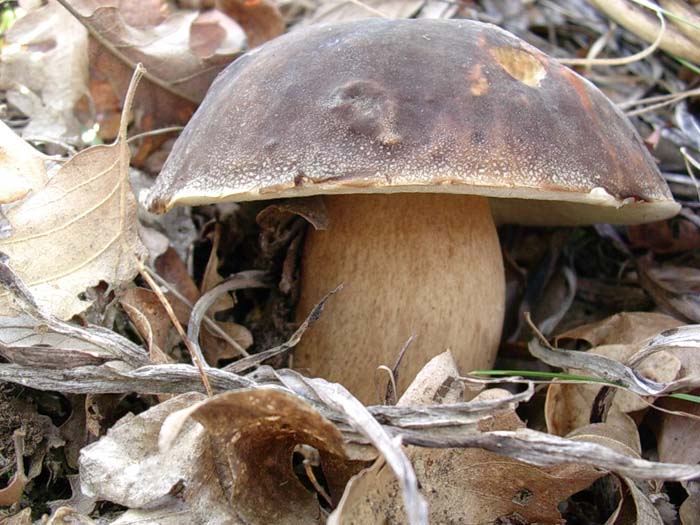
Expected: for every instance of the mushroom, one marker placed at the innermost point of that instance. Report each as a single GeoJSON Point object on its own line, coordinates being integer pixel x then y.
{"type": "Point", "coordinates": [417, 133]}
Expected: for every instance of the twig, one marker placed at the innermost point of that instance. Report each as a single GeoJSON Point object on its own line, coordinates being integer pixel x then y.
{"type": "Point", "coordinates": [621, 61]}
{"type": "Point", "coordinates": [249, 279]}
{"type": "Point", "coordinates": [154, 132]}
{"type": "Point", "coordinates": [213, 325]}
{"type": "Point", "coordinates": [196, 356]}
{"type": "Point", "coordinates": [661, 101]}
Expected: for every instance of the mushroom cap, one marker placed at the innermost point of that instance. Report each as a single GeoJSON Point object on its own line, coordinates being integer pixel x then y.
{"type": "Point", "coordinates": [445, 106]}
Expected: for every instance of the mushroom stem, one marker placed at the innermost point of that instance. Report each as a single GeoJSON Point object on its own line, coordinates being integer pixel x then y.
{"type": "Point", "coordinates": [424, 264]}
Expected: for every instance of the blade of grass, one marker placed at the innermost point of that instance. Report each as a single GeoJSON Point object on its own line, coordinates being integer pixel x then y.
{"type": "Point", "coordinates": [569, 377]}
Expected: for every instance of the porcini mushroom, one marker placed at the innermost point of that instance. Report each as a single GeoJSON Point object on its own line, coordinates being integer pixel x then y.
{"type": "Point", "coordinates": [409, 128]}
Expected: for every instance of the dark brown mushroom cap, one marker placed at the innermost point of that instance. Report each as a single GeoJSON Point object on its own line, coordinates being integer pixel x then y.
{"type": "Point", "coordinates": [450, 106]}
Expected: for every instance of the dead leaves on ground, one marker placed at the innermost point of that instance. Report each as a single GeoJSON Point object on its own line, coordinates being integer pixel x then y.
{"type": "Point", "coordinates": [279, 452]}
{"type": "Point", "coordinates": [44, 71]}
{"type": "Point", "coordinates": [469, 485]}
{"type": "Point", "coordinates": [88, 204]}
{"type": "Point", "coordinates": [66, 75]}
{"type": "Point", "coordinates": [228, 459]}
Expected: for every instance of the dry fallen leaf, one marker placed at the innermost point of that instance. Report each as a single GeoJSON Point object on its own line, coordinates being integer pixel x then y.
{"type": "Point", "coordinates": [462, 485]}
{"type": "Point", "coordinates": [126, 467]}
{"type": "Point", "coordinates": [568, 406]}
{"type": "Point", "coordinates": [21, 167]}
{"type": "Point", "coordinates": [622, 328]}
{"type": "Point", "coordinates": [660, 237]}
{"type": "Point", "coordinates": [261, 20]}
{"type": "Point", "coordinates": [150, 318]}
{"type": "Point", "coordinates": [676, 434]}
{"type": "Point", "coordinates": [258, 431]}
{"type": "Point", "coordinates": [183, 53]}
{"type": "Point", "coordinates": [44, 69]}
{"type": "Point", "coordinates": [77, 230]}
{"type": "Point", "coordinates": [344, 11]}
{"type": "Point", "coordinates": [671, 290]}
{"type": "Point", "coordinates": [151, 321]}
{"type": "Point", "coordinates": [622, 436]}
{"type": "Point", "coordinates": [231, 456]}
{"type": "Point", "coordinates": [689, 512]}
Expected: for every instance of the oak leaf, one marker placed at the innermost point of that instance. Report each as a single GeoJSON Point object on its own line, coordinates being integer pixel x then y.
{"type": "Point", "coordinates": [77, 230]}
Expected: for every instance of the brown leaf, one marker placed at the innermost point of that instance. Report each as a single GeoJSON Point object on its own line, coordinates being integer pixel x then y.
{"type": "Point", "coordinates": [182, 53]}
{"type": "Point", "coordinates": [260, 19]}
{"type": "Point", "coordinates": [689, 512]}
{"type": "Point", "coordinates": [665, 237]}
{"type": "Point", "coordinates": [171, 268]}
{"type": "Point", "coordinates": [89, 206]}
{"type": "Point", "coordinates": [126, 467]}
{"type": "Point", "coordinates": [671, 295]}
{"type": "Point", "coordinates": [214, 346]}
{"type": "Point", "coordinates": [312, 209]}
{"type": "Point", "coordinates": [211, 273]}
{"type": "Point", "coordinates": [12, 492]}
{"type": "Point", "coordinates": [141, 14]}
{"type": "Point", "coordinates": [152, 322]}
{"type": "Point", "coordinates": [259, 430]}
{"type": "Point", "coordinates": [568, 406]}
{"type": "Point", "coordinates": [622, 328]}
{"type": "Point", "coordinates": [676, 434]}
{"type": "Point", "coordinates": [462, 485]}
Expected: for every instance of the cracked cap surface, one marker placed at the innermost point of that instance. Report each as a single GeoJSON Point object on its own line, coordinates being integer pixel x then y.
{"type": "Point", "coordinates": [381, 106]}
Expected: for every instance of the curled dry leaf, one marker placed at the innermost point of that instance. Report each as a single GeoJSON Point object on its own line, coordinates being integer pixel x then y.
{"type": "Point", "coordinates": [617, 338]}
{"type": "Point", "coordinates": [568, 406]}
{"type": "Point", "coordinates": [89, 206]}
{"type": "Point", "coordinates": [261, 20]}
{"type": "Point", "coordinates": [12, 492]}
{"type": "Point", "coordinates": [462, 485]}
{"type": "Point", "coordinates": [672, 293]}
{"type": "Point", "coordinates": [182, 57]}
{"type": "Point", "coordinates": [126, 467]}
{"type": "Point", "coordinates": [151, 321]}
{"type": "Point", "coordinates": [44, 71]}
{"type": "Point", "coordinates": [665, 236]}
{"type": "Point", "coordinates": [258, 431]}
{"type": "Point", "coordinates": [622, 436]}
{"type": "Point", "coordinates": [235, 466]}
{"type": "Point", "coordinates": [150, 318]}
{"type": "Point", "coordinates": [38, 334]}
{"type": "Point", "coordinates": [622, 328]}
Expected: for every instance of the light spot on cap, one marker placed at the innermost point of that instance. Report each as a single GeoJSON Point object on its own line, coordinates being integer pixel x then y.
{"type": "Point", "coordinates": [520, 65]}
{"type": "Point", "coordinates": [478, 83]}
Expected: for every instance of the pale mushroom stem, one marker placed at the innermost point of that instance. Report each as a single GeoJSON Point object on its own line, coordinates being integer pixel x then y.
{"type": "Point", "coordinates": [426, 264]}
